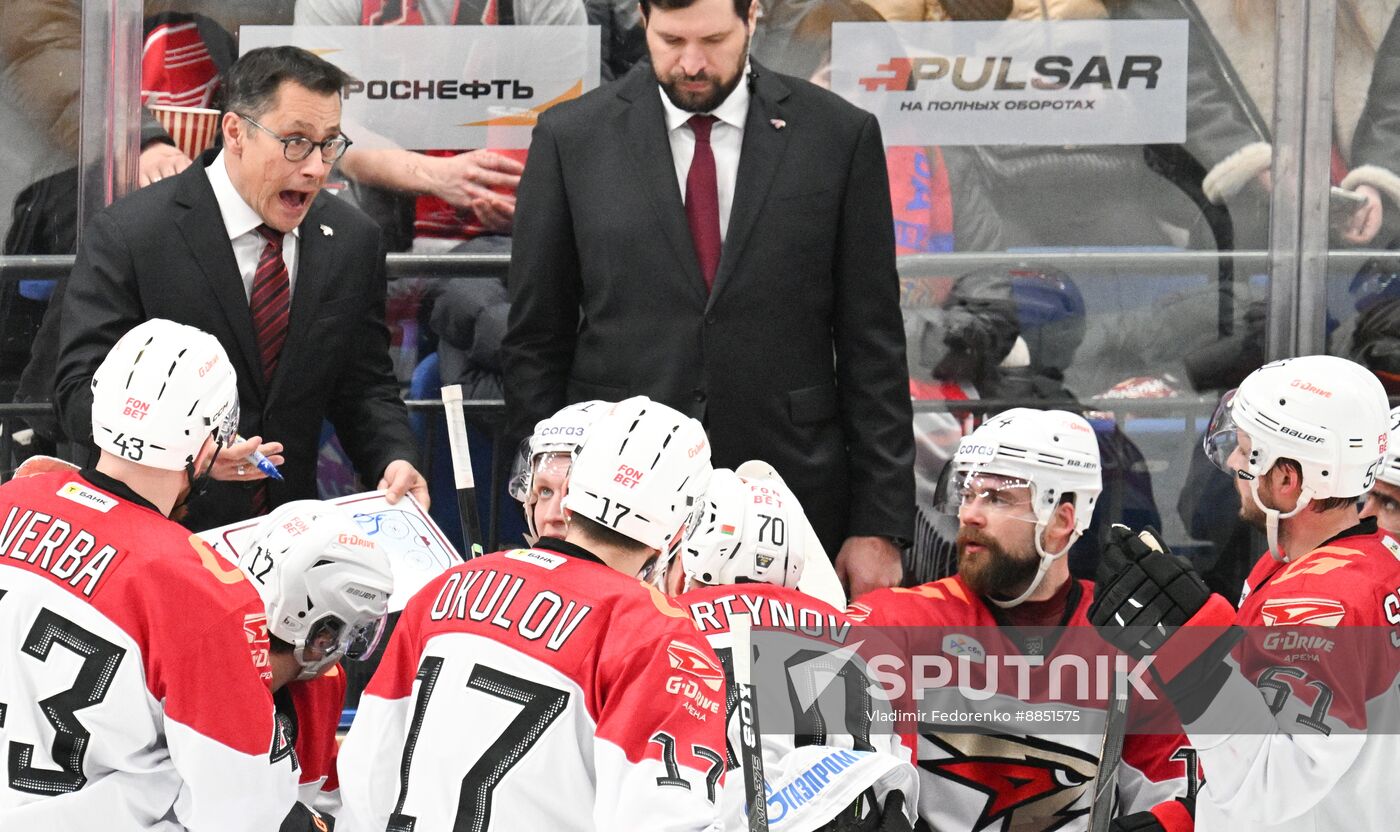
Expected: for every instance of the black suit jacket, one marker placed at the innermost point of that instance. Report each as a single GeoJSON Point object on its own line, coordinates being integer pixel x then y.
{"type": "Point", "coordinates": [162, 252]}
{"type": "Point", "coordinates": [796, 357]}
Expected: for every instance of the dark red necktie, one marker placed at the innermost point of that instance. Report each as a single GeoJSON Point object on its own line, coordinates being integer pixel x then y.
{"type": "Point", "coordinates": [271, 302]}
{"type": "Point", "coordinates": [702, 200]}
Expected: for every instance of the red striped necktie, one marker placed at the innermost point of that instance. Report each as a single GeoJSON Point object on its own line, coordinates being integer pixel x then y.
{"type": "Point", "coordinates": [271, 302]}
{"type": "Point", "coordinates": [271, 306]}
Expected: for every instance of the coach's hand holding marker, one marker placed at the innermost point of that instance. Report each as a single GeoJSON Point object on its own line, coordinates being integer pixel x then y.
{"type": "Point", "coordinates": [260, 461]}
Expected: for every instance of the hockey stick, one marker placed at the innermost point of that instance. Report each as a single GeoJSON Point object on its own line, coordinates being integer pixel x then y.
{"type": "Point", "coordinates": [462, 470]}
{"type": "Point", "coordinates": [1110, 755]}
{"type": "Point", "coordinates": [751, 744]}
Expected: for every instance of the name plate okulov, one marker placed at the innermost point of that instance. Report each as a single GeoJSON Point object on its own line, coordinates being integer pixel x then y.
{"type": "Point", "coordinates": [1081, 82]}
{"type": "Point", "coordinates": [449, 87]}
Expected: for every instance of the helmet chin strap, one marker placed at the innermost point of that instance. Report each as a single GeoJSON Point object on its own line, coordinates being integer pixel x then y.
{"type": "Point", "coordinates": [1046, 559]}
{"type": "Point", "coordinates": [1272, 516]}
{"type": "Point", "coordinates": [198, 483]}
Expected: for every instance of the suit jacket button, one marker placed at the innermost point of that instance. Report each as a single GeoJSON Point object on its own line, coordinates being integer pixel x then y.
{"type": "Point", "coordinates": [699, 395]}
{"type": "Point", "coordinates": [710, 319]}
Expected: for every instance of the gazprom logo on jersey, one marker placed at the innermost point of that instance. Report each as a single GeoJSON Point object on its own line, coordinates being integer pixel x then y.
{"type": "Point", "coordinates": [806, 784]}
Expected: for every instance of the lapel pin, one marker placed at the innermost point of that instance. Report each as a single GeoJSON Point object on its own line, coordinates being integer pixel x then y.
{"type": "Point", "coordinates": [327, 231]}
{"type": "Point", "coordinates": [777, 123]}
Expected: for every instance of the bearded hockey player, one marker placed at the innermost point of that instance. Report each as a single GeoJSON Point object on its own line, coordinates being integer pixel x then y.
{"type": "Point", "coordinates": [133, 660]}
{"type": "Point", "coordinates": [745, 553]}
{"type": "Point", "coordinates": [541, 473]}
{"type": "Point", "coordinates": [1313, 747]}
{"type": "Point", "coordinates": [1383, 503]}
{"type": "Point", "coordinates": [326, 590]}
{"type": "Point", "coordinates": [1023, 487]}
{"type": "Point", "coordinates": [549, 688]}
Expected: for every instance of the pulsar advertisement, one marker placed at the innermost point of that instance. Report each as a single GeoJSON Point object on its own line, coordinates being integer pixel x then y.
{"type": "Point", "coordinates": [1080, 82]}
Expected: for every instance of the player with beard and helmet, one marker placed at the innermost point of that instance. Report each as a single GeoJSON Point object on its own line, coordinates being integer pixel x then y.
{"type": "Point", "coordinates": [133, 661]}
{"type": "Point", "coordinates": [1024, 486]}
{"type": "Point", "coordinates": [1291, 700]}
{"type": "Point", "coordinates": [745, 552]}
{"type": "Point", "coordinates": [550, 688]}
{"type": "Point", "coordinates": [1383, 503]}
{"type": "Point", "coordinates": [326, 589]}
{"type": "Point", "coordinates": [541, 475]}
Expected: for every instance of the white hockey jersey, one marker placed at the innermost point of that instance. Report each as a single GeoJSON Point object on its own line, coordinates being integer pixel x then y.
{"type": "Point", "coordinates": [537, 689]}
{"type": "Point", "coordinates": [807, 785]}
{"type": "Point", "coordinates": [133, 670]}
{"type": "Point", "coordinates": [1314, 708]}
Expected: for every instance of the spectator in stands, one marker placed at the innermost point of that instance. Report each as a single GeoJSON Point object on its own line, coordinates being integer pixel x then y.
{"type": "Point", "coordinates": [292, 284]}
{"type": "Point", "coordinates": [1014, 196]}
{"type": "Point", "coordinates": [462, 197]}
{"type": "Point", "coordinates": [1366, 137]}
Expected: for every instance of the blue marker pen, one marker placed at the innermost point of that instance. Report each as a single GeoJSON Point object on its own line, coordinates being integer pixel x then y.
{"type": "Point", "coordinates": [261, 462]}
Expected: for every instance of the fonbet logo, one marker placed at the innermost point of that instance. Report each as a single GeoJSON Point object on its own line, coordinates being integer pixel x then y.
{"type": "Point", "coordinates": [1286, 612]}
{"type": "Point", "coordinates": [698, 674]}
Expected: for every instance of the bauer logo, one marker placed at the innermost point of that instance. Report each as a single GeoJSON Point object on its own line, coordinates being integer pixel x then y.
{"type": "Point", "coordinates": [87, 497]}
{"type": "Point", "coordinates": [692, 660]}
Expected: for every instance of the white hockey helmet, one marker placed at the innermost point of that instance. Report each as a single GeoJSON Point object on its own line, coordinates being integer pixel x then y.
{"type": "Point", "coordinates": [1326, 413]}
{"type": "Point", "coordinates": [642, 472]}
{"type": "Point", "coordinates": [553, 444]}
{"type": "Point", "coordinates": [749, 530]}
{"type": "Point", "coordinates": [1390, 462]}
{"type": "Point", "coordinates": [324, 584]}
{"type": "Point", "coordinates": [1049, 453]}
{"type": "Point", "coordinates": [162, 390]}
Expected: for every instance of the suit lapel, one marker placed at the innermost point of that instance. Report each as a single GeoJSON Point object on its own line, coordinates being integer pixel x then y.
{"type": "Point", "coordinates": [643, 130]}
{"type": "Point", "coordinates": [314, 261]}
{"type": "Point", "coordinates": [202, 227]}
{"type": "Point", "coordinates": [762, 150]}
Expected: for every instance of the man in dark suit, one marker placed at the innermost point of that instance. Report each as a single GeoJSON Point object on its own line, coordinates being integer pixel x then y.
{"type": "Point", "coordinates": [292, 284]}
{"type": "Point", "coordinates": [719, 237]}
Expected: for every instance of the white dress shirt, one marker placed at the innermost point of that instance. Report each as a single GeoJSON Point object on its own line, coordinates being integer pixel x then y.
{"type": "Point", "coordinates": [726, 140]}
{"type": "Point", "coordinates": [241, 222]}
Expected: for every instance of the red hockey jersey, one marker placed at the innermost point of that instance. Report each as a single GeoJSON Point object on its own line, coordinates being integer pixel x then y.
{"type": "Point", "coordinates": [797, 800]}
{"type": "Point", "coordinates": [309, 713]}
{"type": "Point", "coordinates": [538, 689]}
{"type": "Point", "coordinates": [996, 775]}
{"type": "Point", "coordinates": [1298, 758]}
{"type": "Point", "coordinates": [133, 669]}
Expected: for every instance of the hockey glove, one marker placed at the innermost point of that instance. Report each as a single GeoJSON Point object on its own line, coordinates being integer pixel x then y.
{"type": "Point", "coordinates": [1172, 816]}
{"type": "Point", "coordinates": [1143, 596]}
{"type": "Point", "coordinates": [303, 818]}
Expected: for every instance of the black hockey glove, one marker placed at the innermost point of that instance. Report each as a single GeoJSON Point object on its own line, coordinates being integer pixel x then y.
{"type": "Point", "coordinates": [303, 818]}
{"type": "Point", "coordinates": [1148, 822]}
{"type": "Point", "coordinates": [1143, 590]}
{"type": "Point", "coordinates": [887, 818]}
{"type": "Point", "coordinates": [1144, 594]}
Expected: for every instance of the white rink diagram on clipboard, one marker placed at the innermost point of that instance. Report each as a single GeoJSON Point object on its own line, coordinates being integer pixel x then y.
{"type": "Point", "coordinates": [417, 549]}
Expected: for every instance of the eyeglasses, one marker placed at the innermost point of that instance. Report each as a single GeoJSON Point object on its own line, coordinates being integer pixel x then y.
{"type": "Point", "coordinates": [297, 148]}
